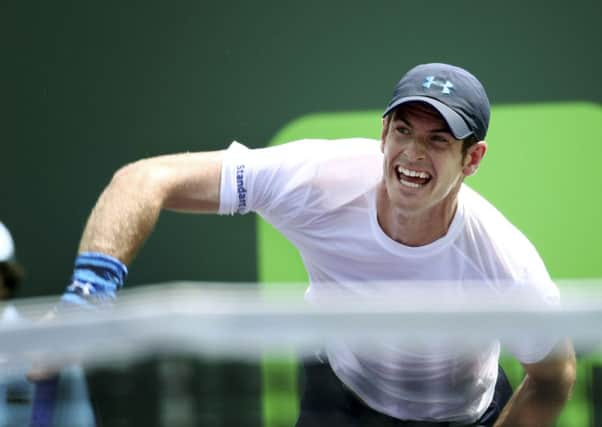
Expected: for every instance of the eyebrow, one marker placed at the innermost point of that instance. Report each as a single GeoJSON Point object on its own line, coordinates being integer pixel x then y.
{"type": "Point", "coordinates": [399, 117]}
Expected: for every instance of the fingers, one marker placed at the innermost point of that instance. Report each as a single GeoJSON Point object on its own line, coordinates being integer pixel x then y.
{"type": "Point", "coordinates": [44, 367]}
{"type": "Point", "coordinates": [41, 372]}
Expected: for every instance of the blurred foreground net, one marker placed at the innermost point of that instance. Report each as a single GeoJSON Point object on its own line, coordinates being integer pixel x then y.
{"type": "Point", "coordinates": [216, 354]}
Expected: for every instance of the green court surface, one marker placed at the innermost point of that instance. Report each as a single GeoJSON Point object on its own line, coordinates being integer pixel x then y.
{"type": "Point", "coordinates": [541, 170]}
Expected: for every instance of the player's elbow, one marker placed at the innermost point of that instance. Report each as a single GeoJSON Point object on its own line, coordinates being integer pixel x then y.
{"type": "Point", "coordinates": [143, 177]}
{"type": "Point", "coordinates": [557, 383]}
{"type": "Point", "coordinates": [569, 375]}
{"type": "Point", "coordinates": [567, 371]}
{"type": "Point", "coordinates": [560, 389]}
{"type": "Point", "coordinates": [554, 377]}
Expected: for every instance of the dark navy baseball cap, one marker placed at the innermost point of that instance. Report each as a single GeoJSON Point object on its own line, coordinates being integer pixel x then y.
{"type": "Point", "coordinates": [458, 96]}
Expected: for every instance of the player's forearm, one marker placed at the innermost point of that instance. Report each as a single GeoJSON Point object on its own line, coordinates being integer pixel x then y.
{"type": "Point", "coordinates": [536, 404]}
{"type": "Point", "coordinates": [125, 214]}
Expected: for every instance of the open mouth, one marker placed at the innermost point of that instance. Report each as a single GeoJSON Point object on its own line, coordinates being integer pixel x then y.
{"type": "Point", "coordinates": [411, 178]}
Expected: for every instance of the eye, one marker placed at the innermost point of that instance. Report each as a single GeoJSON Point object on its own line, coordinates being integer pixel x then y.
{"type": "Point", "coordinates": [440, 140]}
{"type": "Point", "coordinates": [404, 130]}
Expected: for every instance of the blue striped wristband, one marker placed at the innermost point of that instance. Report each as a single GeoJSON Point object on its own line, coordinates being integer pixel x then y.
{"type": "Point", "coordinates": [96, 279]}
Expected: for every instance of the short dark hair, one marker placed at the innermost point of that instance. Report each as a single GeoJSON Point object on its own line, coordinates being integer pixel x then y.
{"type": "Point", "coordinates": [467, 143]}
{"type": "Point", "coordinates": [12, 274]}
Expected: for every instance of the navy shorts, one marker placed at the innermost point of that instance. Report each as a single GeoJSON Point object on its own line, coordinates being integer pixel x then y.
{"type": "Point", "coordinates": [327, 402]}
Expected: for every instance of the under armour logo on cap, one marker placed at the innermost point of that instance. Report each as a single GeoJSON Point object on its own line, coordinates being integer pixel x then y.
{"type": "Point", "coordinates": [445, 86]}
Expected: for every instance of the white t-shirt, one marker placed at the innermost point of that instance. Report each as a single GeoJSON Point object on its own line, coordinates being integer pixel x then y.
{"type": "Point", "coordinates": [321, 195]}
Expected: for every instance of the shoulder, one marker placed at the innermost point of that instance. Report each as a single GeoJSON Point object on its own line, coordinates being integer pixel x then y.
{"type": "Point", "coordinates": [499, 242]}
{"type": "Point", "coordinates": [319, 163]}
{"type": "Point", "coordinates": [319, 150]}
{"type": "Point", "coordinates": [334, 172]}
{"type": "Point", "coordinates": [344, 160]}
{"type": "Point", "coordinates": [481, 213]}
{"type": "Point", "coordinates": [312, 146]}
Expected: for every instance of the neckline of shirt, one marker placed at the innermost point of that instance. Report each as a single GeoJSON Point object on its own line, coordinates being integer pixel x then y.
{"type": "Point", "coordinates": [416, 251]}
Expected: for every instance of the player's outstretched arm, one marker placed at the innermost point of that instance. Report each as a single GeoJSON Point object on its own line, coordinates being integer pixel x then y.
{"type": "Point", "coordinates": [544, 391]}
{"type": "Point", "coordinates": [128, 209]}
{"type": "Point", "coordinates": [124, 216]}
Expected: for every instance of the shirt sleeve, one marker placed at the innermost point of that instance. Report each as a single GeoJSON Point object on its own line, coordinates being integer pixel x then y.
{"type": "Point", "coordinates": [539, 292]}
{"type": "Point", "coordinates": [233, 184]}
{"type": "Point", "coordinates": [274, 181]}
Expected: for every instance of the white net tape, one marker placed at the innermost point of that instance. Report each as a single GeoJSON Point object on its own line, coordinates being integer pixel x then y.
{"type": "Point", "coordinates": [246, 321]}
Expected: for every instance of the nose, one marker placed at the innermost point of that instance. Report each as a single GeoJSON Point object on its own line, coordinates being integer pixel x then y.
{"type": "Point", "coordinates": [414, 150]}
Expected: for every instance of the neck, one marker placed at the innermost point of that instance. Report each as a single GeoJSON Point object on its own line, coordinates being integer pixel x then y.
{"type": "Point", "coordinates": [415, 227]}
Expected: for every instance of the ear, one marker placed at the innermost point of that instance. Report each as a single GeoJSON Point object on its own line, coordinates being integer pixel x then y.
{"type": "Point", "coordinates": [383, 133]}
{"type": "Point", "coordinates": [473, 158]}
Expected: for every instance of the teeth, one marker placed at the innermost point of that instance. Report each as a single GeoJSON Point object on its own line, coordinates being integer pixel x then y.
{"type": "Point", "coordinates": [411, 173]}
{"type": "Point", "coordinates": [409, 184]}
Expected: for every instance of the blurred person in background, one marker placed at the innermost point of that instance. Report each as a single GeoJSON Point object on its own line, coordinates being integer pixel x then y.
{"type": "Point", "coordinates": [16, 393]}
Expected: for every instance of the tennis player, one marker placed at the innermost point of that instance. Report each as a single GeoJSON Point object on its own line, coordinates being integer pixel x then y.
{"type": "Point", "coordinates": [362, 211]}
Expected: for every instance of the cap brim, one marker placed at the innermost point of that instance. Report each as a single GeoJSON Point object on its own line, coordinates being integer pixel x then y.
{"type": "Point", "coordinates": [456, 123]}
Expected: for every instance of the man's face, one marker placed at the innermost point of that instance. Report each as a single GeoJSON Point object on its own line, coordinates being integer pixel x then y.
{"type": "Point", "coordinates": [423, 163]}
